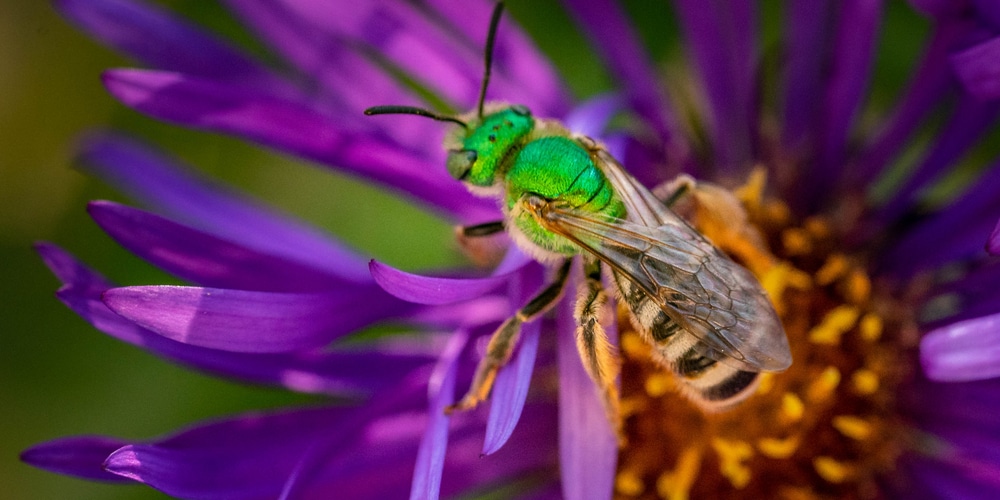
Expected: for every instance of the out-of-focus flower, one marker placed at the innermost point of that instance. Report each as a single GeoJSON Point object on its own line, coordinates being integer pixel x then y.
{"type": "Point", "coordinates": [870, 288]}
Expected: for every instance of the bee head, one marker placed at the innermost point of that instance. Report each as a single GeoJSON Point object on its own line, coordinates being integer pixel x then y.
{"type": "Point", "coordinates": [476, 156]}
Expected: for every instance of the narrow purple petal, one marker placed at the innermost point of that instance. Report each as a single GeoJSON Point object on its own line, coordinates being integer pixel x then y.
{"type": "Point", "coordinates": [967, 350]}
{"type": "Point", "coordinates": [326, 371]}
{"type": "Point", "coordinates": [248, 321]}
{"type": "Point", "coordinates": [807, 34]}
{"type": "Point", "coordinates": [205, 259]}
{"type": "Point", "coordinates": [592, 116]}
{"type": "Point", "coordinates": [244, 457]}
{"type": "Point", "coordinates": [611, 35]}
{"type": "Point", "coordinates": [176, 190]}
{"type": "Point", "coordinates": [978, 68]}
{"type": "Point", "coordinates": [927, 89]}
{"type": "Point", "coordinates": [969, 122]}
{"type": "Point", "coordinates": [80, 456]}
{"type": "Point", "coordinates": [510, 390]}
{"type": "Point", "coordinates": [431, 290]}
{"type": "Point", "coordinates": [588, 449]}
{"type": "Point", "coordinates": [441, 393]}
{"type": "Point", "coordinates": [993, 243]}
{"type": "Point", "coordinates": [290, 126]}
{"type": "Point", "coordinates": [722, 37]}
{"type": "Point", "coordinates": [163, 40]}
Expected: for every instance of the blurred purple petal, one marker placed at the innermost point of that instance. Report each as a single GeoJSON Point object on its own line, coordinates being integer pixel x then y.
{"type": "Point", "coordinates": [722, 38]}
{"type": "Point", "coordinates": [172, 188]}
{"type": "Point", "coordinates": [431, 290]}
{"type": "Point", "coordinates": [588, 448]}
{"type": "Point", "coordinates": [80, 456]}
{"type": "Point", "coordinates": [290, 126]}
{"type": "Point", "coordinates": [806, 36]}
{"type": "Point", "coordinates": [329, 372]}
{"type": "Point", "coordinates": [993, 243]}
{"type": "Point", "coordinates": [612, 36]}
{"type": "Point", "coordinates": [511, 389]}
{"type": "Point", "coordinates": [967, 350]}
{"type": "Point", "coordinates": [441, 393]}
{"type": "Point", "coordinates": [207, 260]}
{"type": "Point", "coordinates": [978, 68]}
{"type": "Point", "coordinates": [162, 39]}
{"type": "Point", "coordinates": [592, 116]}
{"type": "Point", "coordinates": [248, 321]}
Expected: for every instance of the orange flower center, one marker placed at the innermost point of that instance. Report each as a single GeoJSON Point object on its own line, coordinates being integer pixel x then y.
{"type": "Point", "coordinates": [827, 426]}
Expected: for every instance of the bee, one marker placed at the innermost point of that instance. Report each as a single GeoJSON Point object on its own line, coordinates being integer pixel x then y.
{"type": "Point", "coordinates": [563, 195]}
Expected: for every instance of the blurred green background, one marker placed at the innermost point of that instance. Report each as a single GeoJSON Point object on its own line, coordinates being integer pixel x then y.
{"type": "Point", "coordinates": [59, 376]}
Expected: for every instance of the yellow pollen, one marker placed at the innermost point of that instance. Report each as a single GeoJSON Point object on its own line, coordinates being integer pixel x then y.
{"type": "Point", "coordinates": [796, 241]}
{"type": "Point", "coordinates": [852, 427]}
{"type": "Point", "coordinates": [658, 384]}
{"type": "Point", "coordinates": [777, 212]}
{"type": "Point", "coordinates": [732, 455]}
{"type": "Point", "coordinates": [765, 383]}
{"type": "Point", "coordinates": [817, 227]}
{"type": "Point", "coordinates": [859, 287]}
{"type": "Point", "coordinates": [634, 346]}
{"type": "Point", "coordinates": [792, 407]}
{"type": "Point", "coordinates": [676, 484]}
{"type": "Point", "coordinates": [778, 448]}
{"type": "Point", "coordinates": [628, 483]}
{"type": "Point", "coordinates": [834, 324]}
{"type": "Point", "coordinates": [823, 386]}
{"type": "Point", "coordinates": [781, 277]}
{"type": "Point", "coordinates": [752, 192]}
{"type": "Point", "coordinates": [865, 381]}
{"type": "Point", "coordinates": [870, 327]}
{"type": "Point", "coordinates": [830, 469]}
{"type": "Point", "coordinates": [834, 267]}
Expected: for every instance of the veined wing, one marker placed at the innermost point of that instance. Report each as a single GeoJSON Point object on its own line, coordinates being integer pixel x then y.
{"type": "Point", "coordinates": [709, 295]}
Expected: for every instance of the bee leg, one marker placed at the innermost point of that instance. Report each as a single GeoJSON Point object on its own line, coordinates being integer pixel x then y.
{"type": "Point", "coordinates": [592, 342]}
{"type": "Point", "coordinates": [502, 342]}
{"type": "Point", "coordinates": [477, 245]}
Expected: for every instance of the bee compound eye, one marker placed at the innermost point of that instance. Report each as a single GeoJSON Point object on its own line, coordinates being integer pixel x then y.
{"type": "Point", "coordinates": [460, 162]}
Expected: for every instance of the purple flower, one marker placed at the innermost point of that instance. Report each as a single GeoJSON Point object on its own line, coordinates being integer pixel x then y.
{"type": "Point", "coordinates": [886, 294]}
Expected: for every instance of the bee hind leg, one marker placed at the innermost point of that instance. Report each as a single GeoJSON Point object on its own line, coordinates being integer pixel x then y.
{"type": "Point", "coordinates": [505, 338]}
{"type": "Point", "coordinates": [592, 342]}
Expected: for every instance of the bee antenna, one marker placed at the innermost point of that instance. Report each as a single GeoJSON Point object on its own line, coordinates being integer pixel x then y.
{"type": "Point", "coordinates": [490, 39]}
{"type": "Point", "coordinates": [412, 110]}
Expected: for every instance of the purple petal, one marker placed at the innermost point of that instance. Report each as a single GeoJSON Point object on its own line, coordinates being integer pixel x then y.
{"type": "Point", "coordinates": [928, 88]}
{"type": "Point", "coordinates": [205, 259]}
{"type": "Point", "coordinates": [431, 290]}
{"type": "Point", "coordinates": [163, 40]}
{"type": "Point", "coordinates": [245, 457]}
{"type": "Point", "coordinates": [510, 390]}
{"type": "Point", "coordinates": [588, 449]}
{"type": "Point", "coordinates": [978, 68]}
{"type": "Point", "coordinates": [328, 371]}
{"type": "Point", "coordinates": [722, 39]}
{"type": "Point", "coordinates": [993, 243]}
{"type": "Point", "coordinates": [248, 321]}
{"type": "Point", "coordinates": [591, 117]}
{"type": "Point", "coordinates": [806, 28]}
{"type": "Point", "coordinates": [967, 350]}
{"type": "Point", "coordinates": [290, 126]}
{"type": "Point", "coordinates": [441, 393]}
{"type": "Point", "coordinates": [81, 456]}
{"type": "Point", "coordinates": [612, 36]}
{"type": "Point", "coordinates": [174, 189]}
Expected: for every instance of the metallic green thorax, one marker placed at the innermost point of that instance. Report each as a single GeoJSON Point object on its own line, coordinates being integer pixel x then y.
{"type": "Point", "coordinates": [527, 156]}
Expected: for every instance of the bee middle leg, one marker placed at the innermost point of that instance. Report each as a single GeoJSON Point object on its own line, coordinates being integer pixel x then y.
{"type": "Point", "coordinates": [592, 341]}
{"type": "Point", "coordinates": [502, 343]}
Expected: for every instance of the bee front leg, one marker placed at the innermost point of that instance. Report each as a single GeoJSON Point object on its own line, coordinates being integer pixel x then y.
{"type": "Point", "coordinates": [478, 245]}
{"type": "Point", "coordinates": [592, 342]}
{"type": "Point", "coordinates": [502, 342]}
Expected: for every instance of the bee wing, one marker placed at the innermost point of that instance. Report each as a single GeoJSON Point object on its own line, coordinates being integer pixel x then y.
{"type": "Point", "coordinates": [705, 292]}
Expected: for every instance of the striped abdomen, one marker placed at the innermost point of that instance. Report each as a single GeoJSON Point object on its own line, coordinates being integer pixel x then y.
{"type": "Point", "coordinates": [709, 383]}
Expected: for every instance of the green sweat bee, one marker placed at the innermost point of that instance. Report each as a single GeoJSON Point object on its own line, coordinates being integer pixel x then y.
{"type": "Point", "coordinates": [563, 195]}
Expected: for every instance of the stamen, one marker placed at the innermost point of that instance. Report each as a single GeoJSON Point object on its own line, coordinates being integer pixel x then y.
{"type": "Point", "coordinates": [792, 407]}
{"type": "Point", "coordinates": [677, 483]}
{"type": "Point", "coordinates": [629, 483]}
{"type": "Point", "coordinates": [859, 287]}
{"type": "Point", "coordinates": [732, 457]}
{"type": "Point", "coordinates": [824, 385]}
{"type": "Point", "coordinates": [778, 448]}
{"type": "Point", "coordinates": [870, 327]}
{"type": "Point", "coordinates": [852, 427]}
{"type": "Point", "coordinates": [830, 469]}
{"type": "Point", "coordinates": [658, 384]}
{"type": "Point", "coordinates": [834, 324]}
{"type": "Point", "coordinates": [865, 381]}
{"type": "Point", "coordinates": [796, 241]}
{"type": "Point", "coordinates": [835, 266]}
